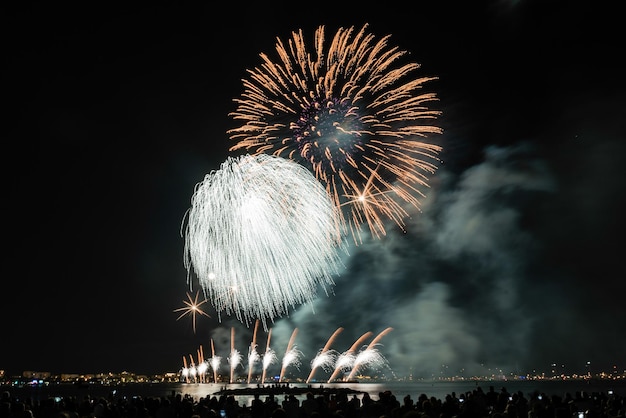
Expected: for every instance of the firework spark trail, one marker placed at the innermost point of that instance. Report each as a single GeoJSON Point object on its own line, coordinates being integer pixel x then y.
{"type": "Point", "coordinates": [234, 359]}
{"type": "Point", "coordinates": [269, 357]}
{"type": "Point", "coordinates": [325, 358]}
{"type": "Point", "coordinates": [370, 356]}
{"type": "Point", "coordinates": [253, 355]}
{"type": "Point", "coordinates": [192, 308]}
{"type": "Point", "coordinates": [215, 365]}
{"type": "Point", "coordinates": [261, 235]}
{"type": "Point", "coordinates": [346, 359]}
{"type": "Point", "coordinates": [215, 361]}
{"type": "Point", "coordinates": [292, 355]}
{"type": "Point", "coordinates": [367, 358]}
{"type": "Point", "coordinates": [353, 113]}
{"type": "Point", "coordinates": [291, 358]}
{"type": "Point", "coordinates": [202, 366]}
{"type": "Point", "coordinates": [192, 368]}
{"type": "Point", "coordinates": [185, 370]}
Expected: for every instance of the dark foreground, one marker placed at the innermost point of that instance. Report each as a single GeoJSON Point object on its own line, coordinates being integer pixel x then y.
{"type": "Point", "coordinates": [284, 401]}
{"type": "Point", "coordinates": [286, 390]}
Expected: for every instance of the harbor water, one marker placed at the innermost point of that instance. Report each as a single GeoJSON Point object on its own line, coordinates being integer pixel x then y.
{"type": "Point", "coordinates": [438, 389]}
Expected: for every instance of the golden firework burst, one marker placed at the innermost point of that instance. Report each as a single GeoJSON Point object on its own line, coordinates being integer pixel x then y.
{"type": "Point", "coordinates": [350, 111]}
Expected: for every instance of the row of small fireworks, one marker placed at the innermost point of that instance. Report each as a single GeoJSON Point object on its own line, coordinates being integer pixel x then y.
{"type": "Point", "coordinates": [356, 359]}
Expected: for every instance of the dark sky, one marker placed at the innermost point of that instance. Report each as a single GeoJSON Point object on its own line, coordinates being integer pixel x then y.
{"type": "Point", "coordinates": [515, 263]}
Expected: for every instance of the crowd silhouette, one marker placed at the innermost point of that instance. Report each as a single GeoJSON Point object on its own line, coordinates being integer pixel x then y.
{"type": "Point", "coordinates": [472, 404]}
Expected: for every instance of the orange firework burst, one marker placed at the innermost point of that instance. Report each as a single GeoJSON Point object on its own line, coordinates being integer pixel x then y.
{"type": "Point", "coordinates": [192, 307]}
{"type": "Point", "coordinates": [353, 114]}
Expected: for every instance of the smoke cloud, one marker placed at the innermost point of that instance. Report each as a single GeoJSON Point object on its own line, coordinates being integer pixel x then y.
{"type": "Point", "coordinates": [453, 286]}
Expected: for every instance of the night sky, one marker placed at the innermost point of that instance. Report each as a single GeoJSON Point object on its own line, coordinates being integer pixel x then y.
{"type": "Point", "coordinates": [515, 262]}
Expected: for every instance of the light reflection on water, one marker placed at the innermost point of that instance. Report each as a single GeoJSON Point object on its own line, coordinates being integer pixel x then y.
{"type": "Point", "coordinates": [438, 389]}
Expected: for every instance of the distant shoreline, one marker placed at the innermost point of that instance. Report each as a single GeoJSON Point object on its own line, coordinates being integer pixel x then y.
{"type": "Point", "coordinates": [280, 389]}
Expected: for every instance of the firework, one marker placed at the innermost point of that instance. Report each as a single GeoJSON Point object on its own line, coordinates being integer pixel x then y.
{"type": "Point", "coordinates": [262, 236]}
{"type": "Point", "coordinates": [353, 113]}
{"type": "Point", "coordinates": [202, 369]}
{"type": "Point", "coordinates": [370, 357]}
{"type": "Point", "coordinates": [214, 361]}
{"type": "Point", "coordinates": [345, 361]}
{"type": "Point", "coordinates": [326, 358]}
{"type": "Point", "coordinates": [292, 355]}
{"type": "Point", "coordinates": [202, 365]}
{"type": "Point", "coordinates": [234, 359]}
{"type": "Point", "coordinates": [192, 369]}
{"type": "Point", "coordinates": [269, 357]}
{"type": "Point", "coordinates": [367, 358]}
{"type": "Point", "coordinates": [185, 371]}
{"type": "Point", "coordinates": [253, 355]}
{"type": "Point", "coordinates": [192, 308]}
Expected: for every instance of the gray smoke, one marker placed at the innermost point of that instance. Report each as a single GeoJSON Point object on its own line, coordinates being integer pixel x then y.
{"type": "Point", "coordinates": [461, 287]}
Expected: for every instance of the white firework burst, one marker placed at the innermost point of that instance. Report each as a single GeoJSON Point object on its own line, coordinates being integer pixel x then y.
{"type": "Point", "coordinates": [262, 235]}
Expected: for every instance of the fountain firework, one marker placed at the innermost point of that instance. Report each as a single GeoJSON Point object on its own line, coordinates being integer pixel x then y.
{"type": "Point", "coordinates": [192, 369]}
{"type": "Point", "coordinates": [346, 359]}
{"type": "Point", "coordinates": [185, 371]}
{"type": "Point", "coordinates": [253, 355]}
{"type": "Point", "coordinates": [269, 357]}
{"type": "Point", "coordinates": [326, 357]}
{"type": "Point", "coordinates": [292, 355]}
{"type": "Point", "coordinates": [235, 356]}
{"type": "Point", "coordinates": [202, 365]}
{"type": "Point", "coordinates": [202, 368]}
{"type": "Point", "coordinates": [370, 356]}
{"type": "Point", "coordinates": [215, 361]}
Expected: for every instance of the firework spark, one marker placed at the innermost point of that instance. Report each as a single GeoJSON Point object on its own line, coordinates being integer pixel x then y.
{"type": "Point", "coordinates": [185, 371]}
{"type": "Point", "coordinates": [234, 360]}
{"type": "Point", "coordinates": [262, 235]}
{"type": "Point", "coordinates": [253, 355]}
{"type": "Point", "coordinates": [370, 357]}
{"type": "Point", "coordinates": [192, 308]}
{"type": "Point", "coordinates": [353, 113]}
{"type": "Point", "coordinates": [269, 357]}
{"type": "Point", "coordinates": [367, 358]}
{"type": "Point", "coordinates": [214, 361]}
{"type": "Point", "coordinates": [292, 355]}
{"type": "Point", "coordinates": [345, 361]}
{"type": "Point", "coordinates": [202, 369]}
{"type": "Point", "coordinates": [192, 369]}
{"type": "Point", "coordinates": [326, 358]}
{"type": "Point", "coordinates": [235, 357]}
{"type": "Point", "coordinates": [202, 365]}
